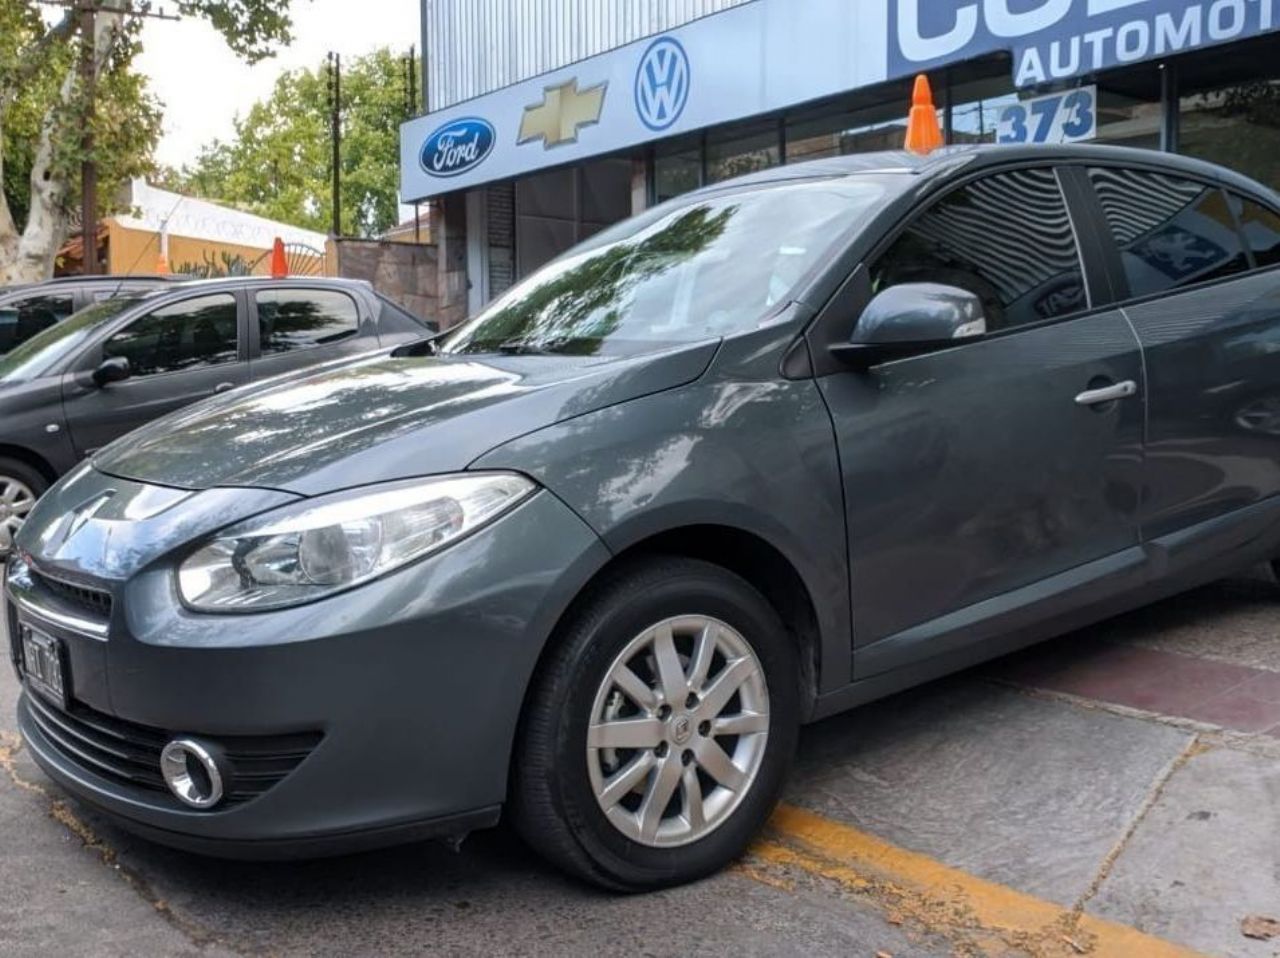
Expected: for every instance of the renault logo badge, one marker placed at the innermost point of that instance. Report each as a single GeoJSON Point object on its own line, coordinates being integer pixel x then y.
{"type": "Point", "coordinates": [563, 111]}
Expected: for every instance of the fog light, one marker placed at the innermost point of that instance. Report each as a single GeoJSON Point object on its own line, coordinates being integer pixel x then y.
{"type": "Point", "coordinates": [192, 772]}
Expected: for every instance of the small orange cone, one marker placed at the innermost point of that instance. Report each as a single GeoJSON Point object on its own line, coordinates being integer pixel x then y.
{"type": "Point", "coordinates": [923, 133]}
{"type": "Point", "coordinates": [279, 265]}
{"type": "Point", "coordinates": [162, 265]}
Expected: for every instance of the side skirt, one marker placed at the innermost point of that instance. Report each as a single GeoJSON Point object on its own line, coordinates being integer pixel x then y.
{"type": "Point", "coordinates": [1073, 599]}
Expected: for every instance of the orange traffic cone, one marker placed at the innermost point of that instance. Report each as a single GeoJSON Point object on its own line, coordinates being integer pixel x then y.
{"type": "Point", "coordinates": [162, 265]}
{"type": "Point", "coordinates": [279, 265]}
{"type": "Point", "coordinates": [923, 133]}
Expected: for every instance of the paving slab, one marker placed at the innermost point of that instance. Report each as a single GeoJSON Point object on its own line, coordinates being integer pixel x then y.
{"type": "Point", "coordinates": [1206, 856]}
{"type": "Point", "coordinates": [1020, 790]}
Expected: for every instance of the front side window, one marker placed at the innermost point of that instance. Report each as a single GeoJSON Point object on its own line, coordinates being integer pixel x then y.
{"type": "Point", "coordinates": [1005, 238]}
{"type": "Point", "coordinates": [683, 272]}
{"type": "Point", "coordinates": [1171, 232]}
{"type": "Point", "coordinates": [292, 319]}
{"type": "Point", "coordinates": [1261, 228]}
{"type": "Point", "coordinates": [193, 334]}
{"type": "Point", "coordinates": [23, 318]}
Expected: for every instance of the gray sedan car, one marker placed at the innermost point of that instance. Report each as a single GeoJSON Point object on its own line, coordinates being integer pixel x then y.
{"type": "Point", "coordinates": [133, 356]}
{"type": "Point", "coordinates": [759, 455]}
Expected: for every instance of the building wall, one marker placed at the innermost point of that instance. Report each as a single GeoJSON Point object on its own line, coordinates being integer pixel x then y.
{"type": "Point", "coordinates": [138, 251]}
{"type": "Point", "coordinates": [474, 47]}
{"type": "Point", "coordinates": [405, 273]}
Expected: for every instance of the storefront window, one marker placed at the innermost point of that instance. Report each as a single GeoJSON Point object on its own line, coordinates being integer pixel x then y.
{"type": "Point", "coordinates": [1237, 126]}
{"type": "Point", "coordinates": [677, 172]}
{"type": "Point", "coordinates": [736, 153]}
{"type": "Point", "coordinates": [978, 105]}
{"type": "Point", "coordinates": [841, 134]}
{"type": "Point", "coordinates": [1130, 117]}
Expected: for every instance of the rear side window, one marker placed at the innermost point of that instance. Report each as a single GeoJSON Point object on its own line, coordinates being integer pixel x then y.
{"type": "Point", "coordinates": [193, 334]}
{"type": "Point", "coordinates": [1006, 238]}
{"type": "Point", "coordinates": [22, 319]}
{"type": "Point", "coordinates": [299, 319]}
{"type": "Point", "coordinates": [1171, 232]}
{"type": "Point", "coordinates": [1261, 228]}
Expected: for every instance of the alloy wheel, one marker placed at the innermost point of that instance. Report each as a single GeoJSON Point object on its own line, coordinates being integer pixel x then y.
{"type": "Point", "coordinates": [677, 731]}
{"type": "Point", "coordinates": [16, 500]}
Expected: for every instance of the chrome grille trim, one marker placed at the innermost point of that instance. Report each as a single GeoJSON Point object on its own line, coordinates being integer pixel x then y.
{"type": "Point", "coordinates": [31, 602]}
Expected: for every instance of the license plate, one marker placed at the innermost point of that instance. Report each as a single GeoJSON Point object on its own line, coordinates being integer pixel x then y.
{"type": "Point", "coordinates": [44, 665]}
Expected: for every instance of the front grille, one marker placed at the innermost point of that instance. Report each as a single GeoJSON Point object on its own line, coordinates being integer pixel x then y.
{"type": "Point", "coordinates": [130, 754]}
{"type": "Point", "coordinates": [95, 602]}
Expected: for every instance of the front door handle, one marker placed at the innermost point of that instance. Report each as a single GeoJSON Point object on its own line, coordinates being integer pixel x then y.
{"type": "Point", "coordinates": [223, 388]}
{"type": "Point", "coordinates": [1095, 397]}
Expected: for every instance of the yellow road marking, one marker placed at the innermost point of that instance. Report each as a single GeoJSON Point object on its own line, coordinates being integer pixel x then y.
{"type": "Point", "coordinates": [977, 916]}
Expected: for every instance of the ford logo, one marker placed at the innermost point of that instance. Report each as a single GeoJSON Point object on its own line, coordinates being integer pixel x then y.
{"type": "Point", "coordinates": [458, 146]}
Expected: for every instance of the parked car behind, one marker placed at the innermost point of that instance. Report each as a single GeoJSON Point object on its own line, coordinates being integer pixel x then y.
{"type": "Point", "coordinates": [126, 360]}
{"type": "Point", "coordinates": [762, 454]}
{"type": "Point", "coordinates": [30, 309]}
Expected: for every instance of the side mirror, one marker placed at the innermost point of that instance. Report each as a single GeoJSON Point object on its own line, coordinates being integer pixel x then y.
{"type": "Point", "coordinates": [113, 370]}
{"type": "Point", "coordinates": [914, 318]}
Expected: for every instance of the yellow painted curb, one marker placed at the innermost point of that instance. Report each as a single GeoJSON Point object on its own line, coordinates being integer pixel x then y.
{"type": "Point", "coordinates": [944, 900]}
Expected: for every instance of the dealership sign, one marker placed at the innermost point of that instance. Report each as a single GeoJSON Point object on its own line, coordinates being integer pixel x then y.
{"type": "Point", "coordinates": [761, 57]}
{"type": "Point", "coordinates": [1057, 39]}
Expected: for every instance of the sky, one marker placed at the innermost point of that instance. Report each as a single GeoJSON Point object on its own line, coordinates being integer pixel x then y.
{"type": "Point", "coordinates": [204, 86]}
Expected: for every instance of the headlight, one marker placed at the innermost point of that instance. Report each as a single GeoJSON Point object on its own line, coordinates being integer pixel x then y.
{"type": "Point", "coordinates": [312, 549]}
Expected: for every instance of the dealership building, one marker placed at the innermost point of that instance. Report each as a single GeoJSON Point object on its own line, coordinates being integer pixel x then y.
{"type": "Point", "coordinates": [547, 120]}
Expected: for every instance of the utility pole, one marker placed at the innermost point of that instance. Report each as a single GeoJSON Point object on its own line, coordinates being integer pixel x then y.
{"type": "Point", "coordinates": [88, 11]}
{"type": "Point", "coordinates": [335, 99]}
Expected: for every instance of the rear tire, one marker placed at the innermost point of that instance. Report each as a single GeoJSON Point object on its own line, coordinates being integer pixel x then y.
{"type": "Point", "coordinates": [20, 487]}
{"type": "Point", "coordinates": [668, 781]}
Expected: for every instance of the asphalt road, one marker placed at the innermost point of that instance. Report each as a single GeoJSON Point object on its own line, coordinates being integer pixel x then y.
{"type": "Point", "coordinates": [972, 816]}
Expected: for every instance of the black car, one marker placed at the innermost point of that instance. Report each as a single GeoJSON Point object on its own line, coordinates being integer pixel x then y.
{"type": "Point", "coordinates": [32, 308]}
{"type": "Point", "coordinates": [126, 360]}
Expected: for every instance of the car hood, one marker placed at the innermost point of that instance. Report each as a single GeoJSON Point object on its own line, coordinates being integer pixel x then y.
{"type": "Point", "coordinates": [384, 417]}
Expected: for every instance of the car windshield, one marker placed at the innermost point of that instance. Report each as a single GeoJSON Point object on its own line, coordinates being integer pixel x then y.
{"type": "Point", "coordinates": [40, 354]}
{"type": "Point", "coordinates": [684, 272]}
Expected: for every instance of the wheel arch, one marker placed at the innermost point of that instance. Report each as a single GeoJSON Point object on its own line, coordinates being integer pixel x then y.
{"type": "Point", "coordinates": [30, 458]}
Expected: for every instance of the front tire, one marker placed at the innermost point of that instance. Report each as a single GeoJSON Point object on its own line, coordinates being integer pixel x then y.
{"type": "Point", "coordinates": [20, 487]}
{"type": "Point", "coordinates": [660, 729]}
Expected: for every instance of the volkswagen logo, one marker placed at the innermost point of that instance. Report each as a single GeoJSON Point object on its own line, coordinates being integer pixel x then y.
{"type": "Point", "coordinates": [662, 83]}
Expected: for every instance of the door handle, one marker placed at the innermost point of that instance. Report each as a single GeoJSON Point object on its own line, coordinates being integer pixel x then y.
{"type": "Point", "coordinates": [223, 387]}
{"type": "Point", "coordinates": [1095, 397]}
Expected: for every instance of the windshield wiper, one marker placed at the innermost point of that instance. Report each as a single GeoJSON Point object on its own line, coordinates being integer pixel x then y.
{"type": "Point", "coordinates": [520, 347]}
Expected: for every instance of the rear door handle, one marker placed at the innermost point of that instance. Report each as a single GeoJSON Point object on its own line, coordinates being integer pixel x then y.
{"type": "Point", "coordinates": [1095, 397]}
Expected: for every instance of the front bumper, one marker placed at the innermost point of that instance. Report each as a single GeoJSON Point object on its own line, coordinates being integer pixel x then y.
{"type": "Point", "coordinates": [410, 689]}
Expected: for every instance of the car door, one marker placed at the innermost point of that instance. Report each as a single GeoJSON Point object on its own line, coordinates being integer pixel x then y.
{"type": "Point", "coordinates": [178, 353]}
{"type": "Point", "coordinates": [982, 478]}
{"type": "Point", "coordinates": [1200, 280]}
{"type": "Point", "coordinates": [296, 327]}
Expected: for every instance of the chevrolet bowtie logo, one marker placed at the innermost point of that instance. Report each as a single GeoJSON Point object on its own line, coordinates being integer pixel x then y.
{"type": "Point", "coordinates": [563, 110]}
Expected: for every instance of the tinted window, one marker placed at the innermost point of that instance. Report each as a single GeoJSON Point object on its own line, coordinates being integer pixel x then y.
{"type": "Point", "coordinates": [689, 270]}
{"type": "Point", "coordinates": [44, 352]}
{"type": "Point", "coordinates": [1005, 238]}
{"type": "Point", "coordinates": [188, 335]}
{"type": "Point", "coordinates": [1261, 227]}
{"type": "Point", "coordinates": [1171, 232]}
{"type": "Point", "coordinates": [23, 318]}
{"type": "Point", "coordinates": [296, 319]}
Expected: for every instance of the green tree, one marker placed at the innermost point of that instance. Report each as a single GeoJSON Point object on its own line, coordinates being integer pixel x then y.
{"type": "Point", "coordinates": [43, 111]}
{"type": "Point", "coordinates": [279, 163]}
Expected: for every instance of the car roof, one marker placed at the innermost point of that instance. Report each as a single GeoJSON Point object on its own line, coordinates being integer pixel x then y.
{"type": "Point", "coordinates": [951, 159]}
{"type": "Point", "coordinates": [104, 280]}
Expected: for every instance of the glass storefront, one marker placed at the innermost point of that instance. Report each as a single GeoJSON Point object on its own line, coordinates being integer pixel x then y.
{"type": "Point", "coordinates": [741, 150]}
{"type": "Point", "coordinates": [1237, 126]}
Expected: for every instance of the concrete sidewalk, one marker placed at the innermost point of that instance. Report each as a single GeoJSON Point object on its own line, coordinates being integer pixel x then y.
{"type": "Point", "coordinates": [1114, 792]}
